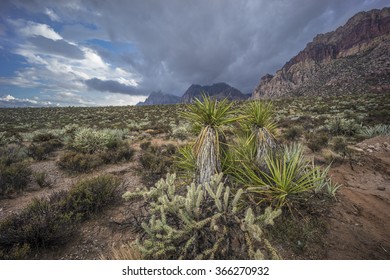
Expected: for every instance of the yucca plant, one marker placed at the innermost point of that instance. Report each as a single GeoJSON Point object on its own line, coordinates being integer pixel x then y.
{"type": "Point", "coordinates": [372, 131]}
{"type": "Point", "coordinates": [208, 117]}
{"type": "Point", "coordinates": [186, 161]}
{"type": "Point", "coordinates": [285, 176]}
{"type": "Point", "coordinates": [258, 122]}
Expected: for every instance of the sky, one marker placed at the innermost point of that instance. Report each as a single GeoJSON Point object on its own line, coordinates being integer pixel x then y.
{"type": "Point", "coordinates": [101, 53]}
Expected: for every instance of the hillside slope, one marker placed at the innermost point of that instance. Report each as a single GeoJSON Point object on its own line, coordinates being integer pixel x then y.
{"type": "Point", "coordinates": [355, 58]}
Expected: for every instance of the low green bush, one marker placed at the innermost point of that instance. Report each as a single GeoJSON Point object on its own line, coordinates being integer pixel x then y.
{"type": "Point", "coordinates": [341, 126]}
{"type": "Point", "coordinates": [12, 153]}
{"type": "Point", "coordinates": [316, 140]}
{"type": "Point", "coordinates": [156, 161]}
{"type": "Point", "coordinates": [79, 162]}
{"type": "Point", "coordinates": [121, 153]}
{"type": "Point", "coordinates": [293, 132]}
{"type": "Point", "coordinates": [42, 150]}
{"type": "Point", "coordinates": [92, 195]}
{"type": "Point", "coordinates": [53, 221]}
{"type": "Point", "coordinates": [88, 140]}
{"type": "Point", "coordinates": [14, 177]}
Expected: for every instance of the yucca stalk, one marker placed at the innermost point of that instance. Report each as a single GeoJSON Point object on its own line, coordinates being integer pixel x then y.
{"type": "Point", "coordinates": [209, 116]}
{"type": "Point", "coordinates": [258, 122]}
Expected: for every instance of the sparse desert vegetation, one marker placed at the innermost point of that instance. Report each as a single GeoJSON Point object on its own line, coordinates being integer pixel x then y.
{"type": "Point", "coordinates": [213, 179]}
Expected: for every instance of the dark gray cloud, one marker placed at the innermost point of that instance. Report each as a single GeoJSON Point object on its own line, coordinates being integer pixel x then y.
{"type": "Point", "coordinates": [57, 47]}
{"type": "Point", "coordinates": [112, 86]}
{"type": "Point", "coordinates": [184, 42]}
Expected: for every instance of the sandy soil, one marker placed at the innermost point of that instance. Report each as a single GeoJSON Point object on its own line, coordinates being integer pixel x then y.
{"type": "Point", "coordinates": [359, 225]}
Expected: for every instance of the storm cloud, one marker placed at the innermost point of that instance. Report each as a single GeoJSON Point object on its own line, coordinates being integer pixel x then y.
{"type": "Point", "coordinates": [57, 47]}
{"type": "Point", "coordinates": [112, 86]}
{"type": "Point", "coordinates": [136, 47]}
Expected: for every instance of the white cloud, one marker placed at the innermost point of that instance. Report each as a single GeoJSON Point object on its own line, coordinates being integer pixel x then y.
{"type": "Point", "coordinates": [29, 28]}
{"type": "Point", "coordinates": [56, 71]}
{"type": "Point", "coordinates": [118, 99]}
{"type": "Point", "coordinates": [7, 98]}
{"type": "Point", "coordinates": [52, 15]}
{"type": "Point", "coordinates": [12, 101]}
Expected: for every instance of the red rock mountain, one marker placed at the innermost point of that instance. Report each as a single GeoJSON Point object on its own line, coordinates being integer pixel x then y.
{"type": "Point", "coordinates": [355, 58]}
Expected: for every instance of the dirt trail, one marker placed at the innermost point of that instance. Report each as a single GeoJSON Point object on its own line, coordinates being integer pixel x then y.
{"type": "Point", "coordinates": [360, 221]}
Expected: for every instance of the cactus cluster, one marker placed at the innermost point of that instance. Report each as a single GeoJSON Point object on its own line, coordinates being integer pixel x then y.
{"type": "Point", "coordinates": [204, 221]}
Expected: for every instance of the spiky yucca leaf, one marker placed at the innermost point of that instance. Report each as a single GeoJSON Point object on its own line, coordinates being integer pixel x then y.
{"type": "Point", "coordinates": [209, 112]}
{"type": "Point", "coordinates": [284, 177]}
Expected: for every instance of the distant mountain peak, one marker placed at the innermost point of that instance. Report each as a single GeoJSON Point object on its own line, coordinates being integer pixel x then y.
{"type": "Point", "coordinates": [218, 90]}
{"type": "Point", "coordinates": [354, 58]}
{"type": "Point", "coordinates": [158, 98]}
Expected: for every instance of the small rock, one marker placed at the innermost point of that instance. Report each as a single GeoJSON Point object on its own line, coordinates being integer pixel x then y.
{"type": "Point", "coordinates": [377, 147]}
{"type": "Point", "coordinates": [357, 149]}
{"type": "Point", "coordinates": [381, 188]}
{"type": "Point", "coordinates": [387, 145]}
{"type": "Point", "coordinates": [369, 150]}
{"type": "Point", "coordinates": [371, 146]}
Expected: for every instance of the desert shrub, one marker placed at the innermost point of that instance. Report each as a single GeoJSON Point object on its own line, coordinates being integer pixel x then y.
{"type": "Point", "coordinates": [12, 153]}
{"type": "Point", "coordinates": [9, 137]}
{"type": "Point", "coordinates": [90, 196]}
{"type": "Point", "coordinates": [145, 145]}
{"type": "Point", "coordinates": [181, 132]}
{"type": "Point", "coordinates": [42, 223]}
{"type": "Point", "coordinates": [43, 137]}
{"type": "Point", "coordinates": [202, 222]}
{"type": "Point", "coordinates": [79, 162]}
{"type": "Point", "coordinates": [88, 140]}
{"type": "Point", "coordinates": [43, 149]}
{"type": "Point", "coordinates": [304, 237]}
{"type": "Point", "coordinates": [17, 252]}
{"type": "Point", "coordinates": [14, 177]}
{"type": "Point", "coordinates": [41, 179]}
{"type": "Point", "coordinates": [293, 132]}
{"type": "Point", "coordinates": [316, 140]}
{"type": "Point", "coordinates": [43, 144]}
{"type": "Point", "coordinates": [339, 145]}
{"type": "Point", "coordinates": [53, 221]}
{"type": "Point", "coordinates": [341, 126]}
{"type": "Point", "coordinates": [155, 162]}
{"type": "Point", "coordinates": [122, 153]}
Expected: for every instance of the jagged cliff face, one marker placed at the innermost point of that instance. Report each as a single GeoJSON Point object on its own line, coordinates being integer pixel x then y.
{"type": "Point", "coordinates": [353, 59]}
{"type": "Point", "coordinates": [218, 91]}
{"type": "Point", "coordinates": [157, 98]}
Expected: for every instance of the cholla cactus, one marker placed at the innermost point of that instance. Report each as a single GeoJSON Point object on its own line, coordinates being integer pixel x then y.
{"type": "Point", "coordinates": [205, 222]}
{"type": "Point", "coordinates": [88, 140]}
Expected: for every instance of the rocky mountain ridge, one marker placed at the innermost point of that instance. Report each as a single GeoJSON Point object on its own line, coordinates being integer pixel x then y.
{"type": "Point", "coordinates": [159, 98]}
{"type": "Point", "coordinates": [355, 58]}
{"type": "Point", "coordinates": [218, 91]}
